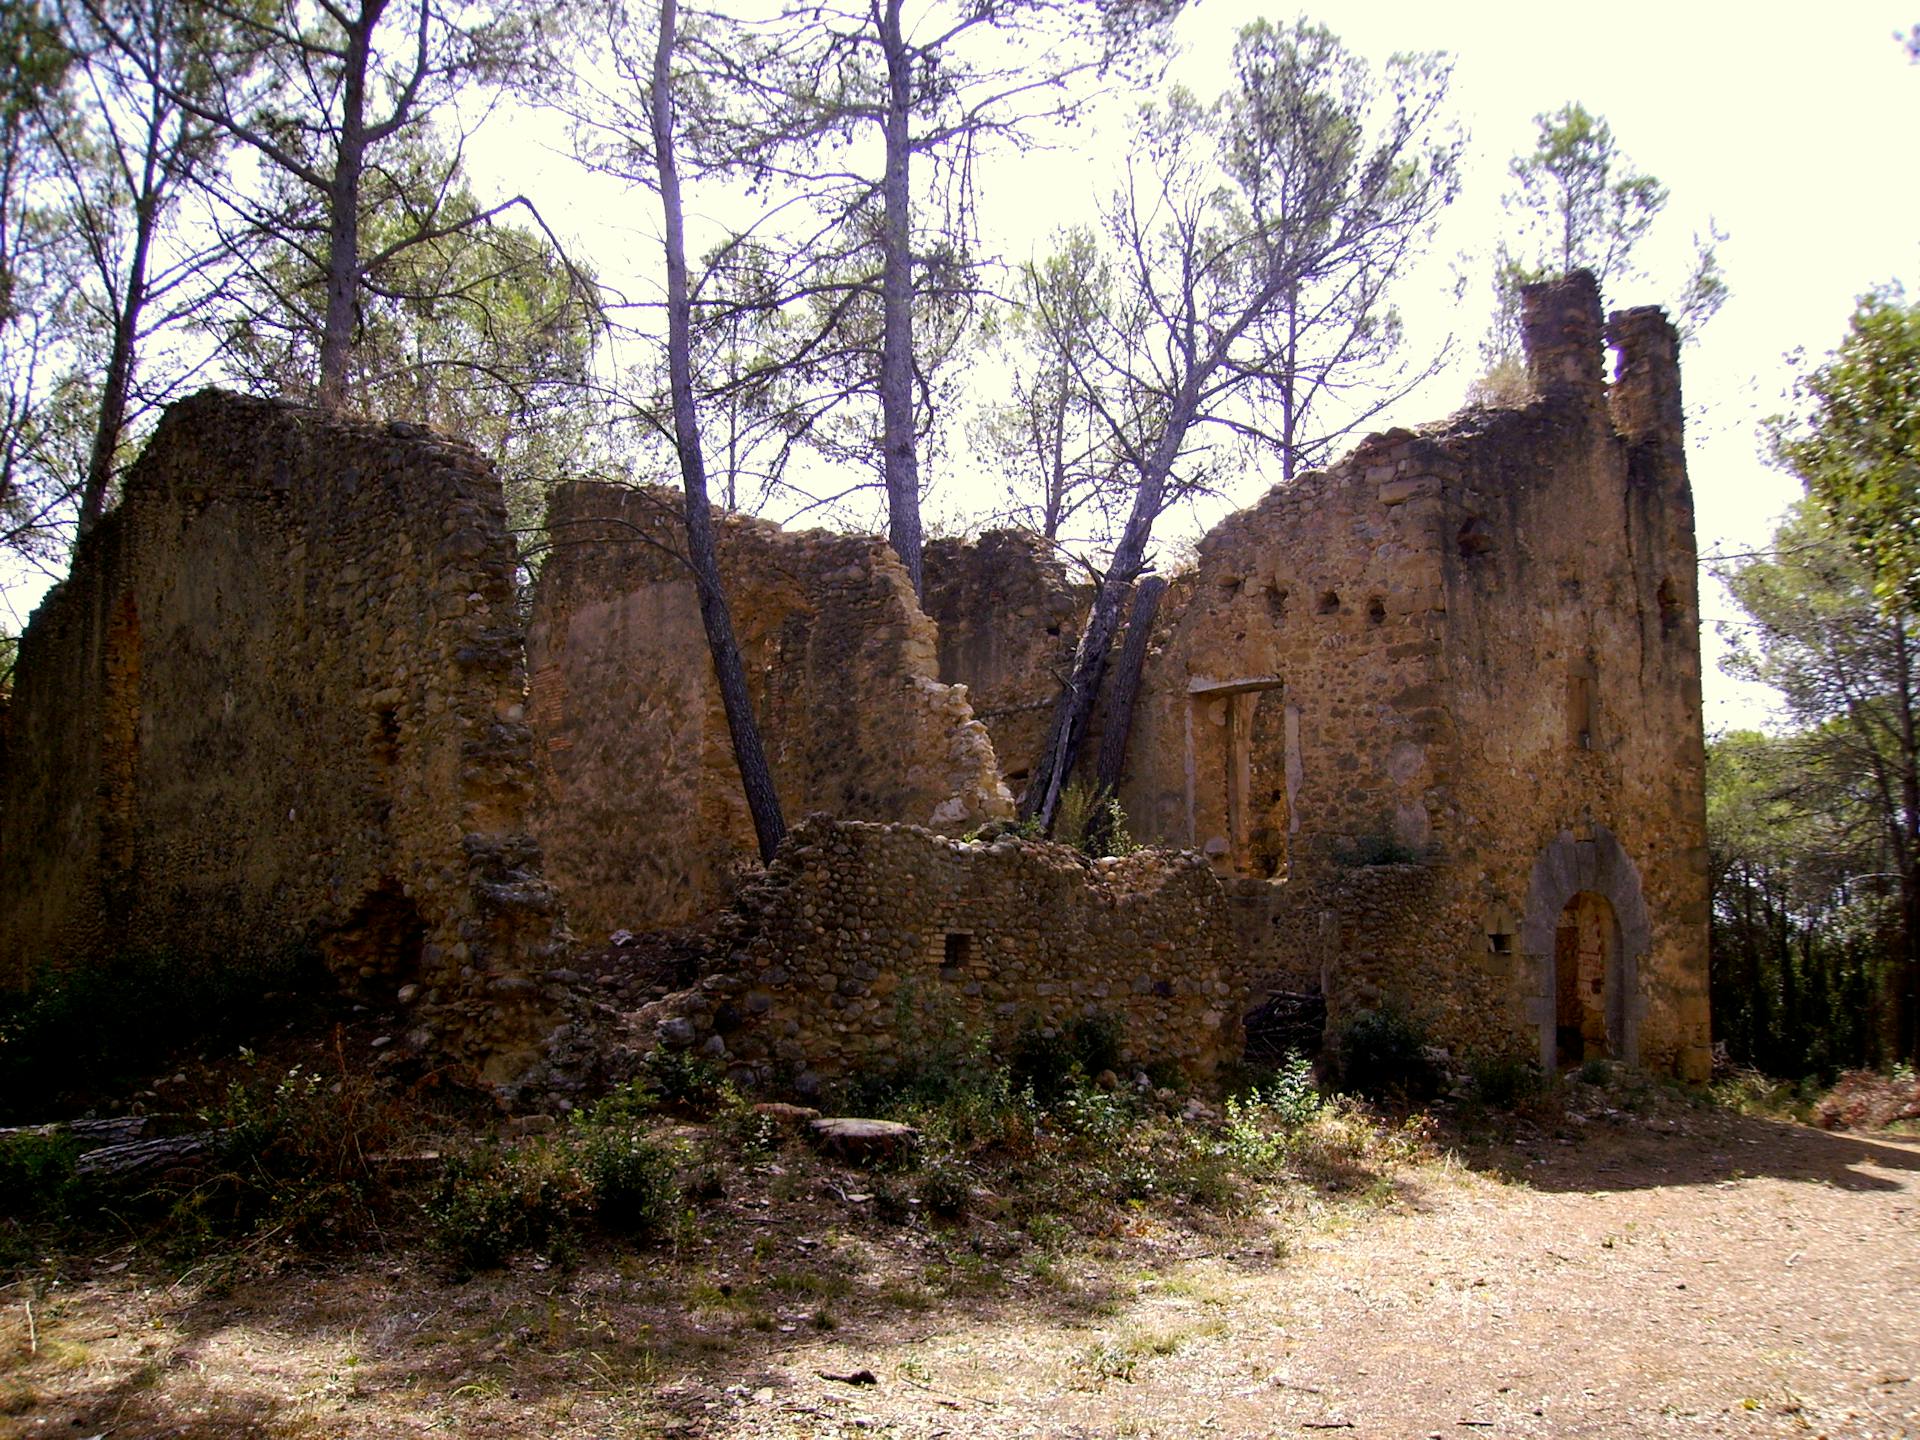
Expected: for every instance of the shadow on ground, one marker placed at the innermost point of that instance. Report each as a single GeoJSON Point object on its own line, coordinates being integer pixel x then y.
{"type": "Point", "coordinates": [1685, 1145]}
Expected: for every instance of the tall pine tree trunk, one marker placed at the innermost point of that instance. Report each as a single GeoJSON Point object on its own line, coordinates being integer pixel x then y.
{"type": "Point", "coordinates": [343, 211]}
{"type": "Point", "coordinates": [900, 458]}
{"type": "Point", "coordinates": [763, 801]}
{"type": "Point", "coordinates": [1112, 765]}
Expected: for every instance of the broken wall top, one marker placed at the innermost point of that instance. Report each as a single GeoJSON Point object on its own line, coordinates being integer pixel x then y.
{"type": "Point", "coordinates": [277, 703]}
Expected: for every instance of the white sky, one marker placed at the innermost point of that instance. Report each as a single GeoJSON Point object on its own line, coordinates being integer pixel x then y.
{"type": "Point", "coordinates": [1791, 129]}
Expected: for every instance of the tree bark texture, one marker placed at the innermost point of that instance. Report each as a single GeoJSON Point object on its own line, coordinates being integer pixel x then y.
{"type": "Point", "coordinates": [343, 211]}
{"type": "Point", "coordinates": [756, 779]}
{"type": "Point", "coordinates": [1068, 731]}
{"type": "Point", "coordinates": [899, 453]}
{"type": "Point", "coordinates": [1112, 765]}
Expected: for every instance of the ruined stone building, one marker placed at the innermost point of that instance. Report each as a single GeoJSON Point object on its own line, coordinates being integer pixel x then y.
{"type": "Point", "coordinates": [1428, 723]}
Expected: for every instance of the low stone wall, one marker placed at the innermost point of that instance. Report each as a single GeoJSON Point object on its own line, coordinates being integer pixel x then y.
{"type": "Point", "coordinates": [865, 941]}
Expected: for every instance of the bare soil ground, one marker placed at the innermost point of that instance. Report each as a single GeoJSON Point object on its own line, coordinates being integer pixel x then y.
{"type": "Point", "coordinates": [1689, 1273]}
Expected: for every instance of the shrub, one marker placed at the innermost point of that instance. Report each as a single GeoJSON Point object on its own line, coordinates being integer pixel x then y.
{"type": "Point", "coordinates": [1503, 1081]}
{"type": "Point", "coordinates": [952, 1085]}
{"type": "Point", "coordinates": [945, 1189]}
{"type": "Point", "coordinates": [36, 1176]}
{"type": "Point", "coordinates": [680, 1077]}
{"type": "Point", "coordinates": [1383, 1057]}
{"type": "Point", "coordinates": [634, 1189]}
{"type": "Point", "coordinates": [490, 1202]}
{"type": "Point", "coordinates": [1050, 1065]}
{"type": "Point", "coordinates": [1092, 822]}
{"type": "Point", "coordinates": [98, 1025]}
{"type": "Point", "coordinates": [1261, 1126]}
{"type": "Point", "coordinates": [292, 1151]}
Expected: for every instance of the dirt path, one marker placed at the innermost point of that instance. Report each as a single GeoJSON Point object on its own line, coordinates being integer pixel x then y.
{"type": "Point", "coordinates": [1705, 1276]}
{"type": "Point", "coordinates": [1737, 1279]}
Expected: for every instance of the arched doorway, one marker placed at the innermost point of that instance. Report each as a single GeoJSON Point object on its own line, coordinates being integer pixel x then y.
{"type": "Point", "coordinates": [1586, 884]}
{"type": "Point", "coordinates": [1586, 979]}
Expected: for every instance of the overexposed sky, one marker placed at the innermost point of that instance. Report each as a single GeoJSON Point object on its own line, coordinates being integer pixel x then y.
{"type": "Point", "coordinates": [1793, 132]}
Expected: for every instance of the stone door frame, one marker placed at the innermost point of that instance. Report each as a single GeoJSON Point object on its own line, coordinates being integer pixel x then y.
{"type": "Point", "coordinates": [1565, 868]}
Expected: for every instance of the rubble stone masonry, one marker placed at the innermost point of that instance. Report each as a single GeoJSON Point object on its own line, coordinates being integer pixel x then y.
{"type": "Point", "coordinates": [640, 811]}
{"type": "Point", "coordinates": [865, 945]}
{"type": "Point", "coordinates": [1442, 691]}
{"type": "Point", "coordinates": [1429, 718]}
{"type": "Point", "coordinates": [279, 702]}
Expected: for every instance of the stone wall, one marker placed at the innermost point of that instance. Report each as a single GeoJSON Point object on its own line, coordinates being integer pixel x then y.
{"type": "Point", "coordinates": [1474, 647]}
{"type": "Point", "coordinates": [278, 702]}
{"type": "Point", "coordinates": [864, 944]}
{"type": "Point", "coordinates": [641, 813]}
{"type": "Point", "coordinates": [1008, 618]}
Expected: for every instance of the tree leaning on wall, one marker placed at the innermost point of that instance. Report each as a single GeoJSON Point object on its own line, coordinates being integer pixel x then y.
{"type": "Point", "coordinates": [1258, 238]}
{"type": "Point", "coordinates": [756, 779]}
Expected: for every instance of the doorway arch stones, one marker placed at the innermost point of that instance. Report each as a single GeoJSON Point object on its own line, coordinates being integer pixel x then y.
{"type": "Point", "coordinates": [1566, 867]}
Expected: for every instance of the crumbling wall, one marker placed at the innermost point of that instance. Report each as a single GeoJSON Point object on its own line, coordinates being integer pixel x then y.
{"type": "Point", "coordinates": [864, 944]}
{"type": "Point", "coordinates": [1474, 648]}
{"type": "Point", "coordinates": [641, 813]}
{"type": "Point", "coordinates": [1008, 618]}
{"type": "Point", "coordinates": [278, 702]}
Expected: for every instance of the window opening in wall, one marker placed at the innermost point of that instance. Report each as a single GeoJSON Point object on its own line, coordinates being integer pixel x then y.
{"type": "Point", "coordinates": [1277, 602]}
{"type": "Point", "coordinates": [955, 954]}
{"type": "Point", "coordinates": [1329, 602]}
{"type": "Point", "coordinates": [1377, 611]}
{"type": "Point", "coordinates": [1500, 943]}
{"type": "Point", "coordinates": [1241, 740]}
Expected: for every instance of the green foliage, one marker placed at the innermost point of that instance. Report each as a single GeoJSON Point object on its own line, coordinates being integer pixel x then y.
{"type": "Point", "coordinates": [1048, 1061]}
{"type": "Point", "coordinates": [1854, 442]}
{"type": "Point", "coordinates": [1579, 188]}
{"type": "Point", "coordinates": [492, 1201]}
{"type": "Point", "coordinates": [37, 1179]}
{"type": "Point", "coordinates": [1504, 1080]}
{"type": "Point", "coordinates": [1092, 822]}
{"type": "Point", "coordinates": [1583, 205]}
{"type": "Point", "coordinates": [1383, 1056]}
{"type": "Point", "coordinates": [1799, 960]}
{"type": "Point", "coordinates": [953, 1086]}
{"type": "Point", "coordinates": [945, 1189]}
{"type": "Point", "coordinates": [681, 1077]}
{"type": "Point", "coordinates": [104, 1023]}
{"type": "Point", "coordinates": [1262, 1125]}
{"type": "Point", "coordinates": [635, 1191]}
{"type": "Point", "coordinates": [1054, 448]}
{"type": "Point", "coordinates": [1814, 841]}
{"type": "Point", "coordinates": [293, 1153]}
